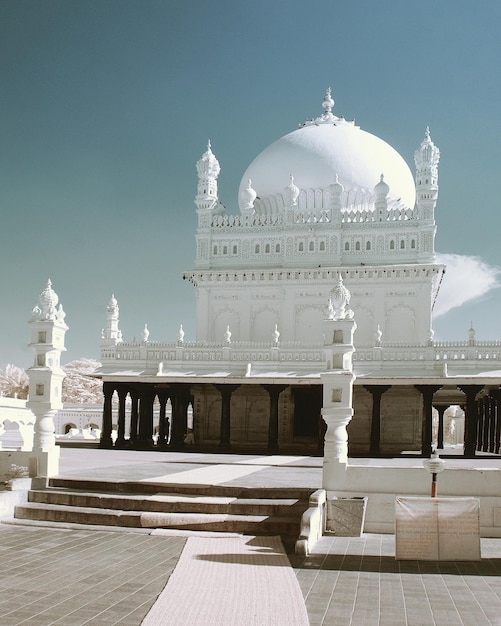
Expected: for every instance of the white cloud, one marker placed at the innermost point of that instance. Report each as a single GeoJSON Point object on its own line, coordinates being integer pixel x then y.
{"type": "Point", "coordinates": [466, 278]}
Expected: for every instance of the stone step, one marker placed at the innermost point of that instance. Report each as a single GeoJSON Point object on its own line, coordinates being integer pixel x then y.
{"type": "Point", "coordinates": [151, 487]}
{"type": "Point", "coordinates": [287, 527]}
{"type": "Point", "coordinates": [173, 503]}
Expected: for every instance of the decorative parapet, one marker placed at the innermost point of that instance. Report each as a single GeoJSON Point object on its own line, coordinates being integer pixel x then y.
{"type": "Point", "coordinates": [285, 356]}
{"type": "Point", "coordinates": [314, 216]}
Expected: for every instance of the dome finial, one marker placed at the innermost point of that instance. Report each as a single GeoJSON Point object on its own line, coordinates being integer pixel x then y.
{"type": "Point", "coordinates": [328, 102]}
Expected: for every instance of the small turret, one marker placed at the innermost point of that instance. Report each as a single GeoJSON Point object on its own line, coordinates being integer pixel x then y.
{"type": "Point", "coordinates": [426, 158]}
{"type": "Point", "coordinates": [208, 170]}
{"type": "Point", "coordinates": [381, 191]}
{"type": "Point", "coordinates": [111, 335]}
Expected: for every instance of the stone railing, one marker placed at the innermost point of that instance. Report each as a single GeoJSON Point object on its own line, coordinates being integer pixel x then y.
{"type": "Point", "coordinates": [394, 214]}
{"type": "Point", "coordinates": [238, 356]}
{"type": "Point", "coordinates": [311, 216]}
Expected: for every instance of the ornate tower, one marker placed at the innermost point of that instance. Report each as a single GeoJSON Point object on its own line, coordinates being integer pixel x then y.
{"type": "Point", "coordinates": [208, 170]}
{"type": "Point", "coordinates": [111, 335]}
{"type": "Point", "coordinates": [426, 159]}
{"type": "Point", "coordinates": [48, 329]}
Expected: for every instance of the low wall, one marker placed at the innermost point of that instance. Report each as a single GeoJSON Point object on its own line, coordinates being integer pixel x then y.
{"type": "Point", "coordinates": [383, 484]}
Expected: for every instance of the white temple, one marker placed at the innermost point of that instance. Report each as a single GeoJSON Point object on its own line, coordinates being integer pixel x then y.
{"type": "Point", "coordinates": [332, 233]}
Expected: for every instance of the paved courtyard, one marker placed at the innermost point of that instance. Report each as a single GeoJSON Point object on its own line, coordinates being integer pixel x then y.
{"type": "Point", "coordinates": [77, 575]}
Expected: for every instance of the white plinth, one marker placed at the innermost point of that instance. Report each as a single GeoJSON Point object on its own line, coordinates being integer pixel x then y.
{"type": "Point", "coordinates": [437, 529]}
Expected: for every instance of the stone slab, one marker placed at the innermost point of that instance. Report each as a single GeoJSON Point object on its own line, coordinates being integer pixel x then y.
{"type": "Point", "coordinates": [345, 516]}
{"type": "Point", "coordinates": [437, 529]}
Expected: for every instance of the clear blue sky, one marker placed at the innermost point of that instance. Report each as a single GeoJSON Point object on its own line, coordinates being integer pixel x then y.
{"type": "Point", "coordinates": [106, 105]}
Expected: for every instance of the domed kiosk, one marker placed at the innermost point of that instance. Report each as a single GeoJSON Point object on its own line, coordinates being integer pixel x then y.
{"type": "Point", "coordinates": [324, 150]}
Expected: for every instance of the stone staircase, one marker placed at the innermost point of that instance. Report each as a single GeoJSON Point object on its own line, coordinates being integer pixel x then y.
{"type": "Point", "coordinates": [215, 508]}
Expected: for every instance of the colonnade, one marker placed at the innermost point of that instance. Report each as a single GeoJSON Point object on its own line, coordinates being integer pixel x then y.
{"type": "Point", "coordinates": [482, 408]}
{"type": "Point", "coordinates": [142, 397]}
{"type": "Point", "coordinates": [482, 418]}
{"type": "Point", "coordinates": [171, 434]}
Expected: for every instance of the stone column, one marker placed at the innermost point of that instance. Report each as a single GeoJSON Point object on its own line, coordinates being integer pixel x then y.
{"type": "Point", "coordinates": [180, 399]}
{"type": "Point", "coordinates": [274, 392]}
{"type": "Point", "coordinates": [106, 440]}
{"type": "Point", "coordinates": [427, 392]}
{"type": "Point", "coordinates": [134, 417]}
{"type": "Point", "coordinates": [492, 424]}
{"type": "Point", "coordinates": [471, 418]}
{"type": "Point", "coordinates": [496, 395]}
{"type": "Point", "coordinates": [376, 392]}
{"type": "Point", "coordinates": [484, 414]}
{"type": "Point", "coordinates": [337, 409]}
{"type": "Point", "coordinates": [145, 434]}
{"type": "Point", "coordinates": [122, 397]}
{"type": "Point", "coordinates": [163, 423]}
{"type": "Point", "coordinates": [226, 392]}
{"type": "Point", "coordinates": [441, 408]}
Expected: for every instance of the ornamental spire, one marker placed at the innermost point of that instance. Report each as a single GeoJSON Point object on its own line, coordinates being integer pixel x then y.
{"type": "Point", "coordinates": [327, 116]}
{"type": "Point", "coordinates": [328, 102]}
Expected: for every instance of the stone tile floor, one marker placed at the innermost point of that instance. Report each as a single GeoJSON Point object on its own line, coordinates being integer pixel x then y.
{"type": "Point", "coordinates": [75, 577]}
{"type": "Point", "coordinates": [357, 581]}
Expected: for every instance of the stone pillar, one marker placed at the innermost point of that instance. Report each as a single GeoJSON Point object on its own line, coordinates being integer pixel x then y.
{"type": "Point", "coordinates": [226, 392]}
{"type": "Point", "coordinates": [337, 409]}
{"type": "Point", "coordinates": [427, 392]}
{"type": "Point", "coordinates": [44, 430]}
{"type": "Point", "coordinates": [180, 399]}
{"type": "Point", "coordinates": [274, 392]}
{"type": "Point", "coordinates": [106, 440]}
{"type": "Point", "coordinates": [496, 395]}
{"type": "Point", "coordinates": [441, 408]}
{"type": "Point", "coordinates": [492, 424]}
{"type": "Point", "coordinates": [122, 397]}
{"type": "Point", "coordinates": [46, 376]}
{"type": "Point", "coordinates": [134, 417]}
{"type": "Point", "coordinates": [471, 418]}
{"type": "Point", "coordinates": [163, 423]}
{"type": "Point", "coordinates": [145, 435]}
{"type": "Point", "coordinates": [376, 392]}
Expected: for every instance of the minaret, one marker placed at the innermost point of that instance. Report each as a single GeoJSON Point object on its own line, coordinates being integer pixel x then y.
{"type": "Point", "coordinates": [426, 159]}
{"type": "Point", "coordinates": [48, 329]}
{"type": "Point", "coordinates": [207, 203]}
{"type": "Point", "coordinates": [208, 170]}
{"type": "Point", "coordinates": [111, 335]}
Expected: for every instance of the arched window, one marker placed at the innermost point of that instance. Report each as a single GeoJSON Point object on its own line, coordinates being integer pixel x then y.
{"type": "Point", "coordinates": [257, 249]}
{"type": "Point", "coordinates": [214, 251]}
{"type": "Point", "coordinates": [347, 246]}
{"type": "Point", "coordinates": [413, 244]}
{"type": "Point", "coordinates": [392, 245]}
{"type": "Point", "coordinates": [322, 246]}
{"type": "Point", "coordinates": [368, 245]}
{"type": "Point", "coordinates": [301, 247]}
{"type": "Point", "coordinates": [402, 245]}
{"type": "Point", "coordinates": [267, 248]}
{"type": "Point", "coordinates": [277, 248]}
{"type": "Point", "coordinates": [357, 246]}
{"type": "Point", "coordinates": [312, 246]}
{"type": "Point", "coordinates": [235, 250]}
{"type": "Point", "coordinates": [225, 249]}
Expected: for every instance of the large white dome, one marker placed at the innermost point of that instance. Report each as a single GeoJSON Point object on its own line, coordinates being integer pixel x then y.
{"type": "Point", "coordinates": [329, 146]}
